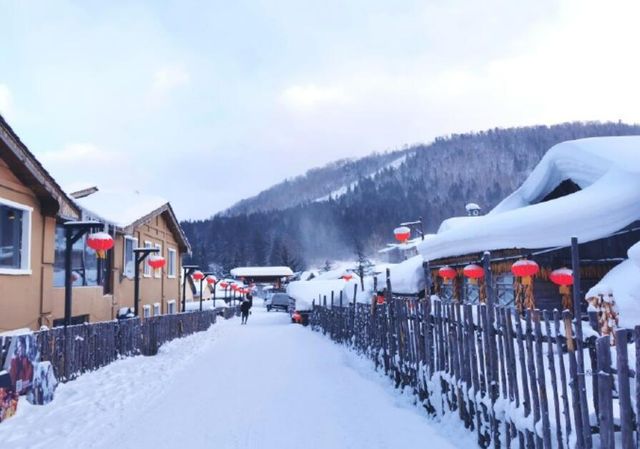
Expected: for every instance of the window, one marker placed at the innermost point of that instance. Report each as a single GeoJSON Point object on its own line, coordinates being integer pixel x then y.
{"type": "Point", "coordinates": [129, 257]}
{"type": "Point", "coordinates": [147, 267]}
{"type": "Point", "coordinates": [171, 263]}
{"type": "Point", "coordinates": [171, 306]}
{"type": "Point", "coordinates": [15, 238]}
{"type": "Point", "coordinates": [156, 309]}
{"type": "Point", "coordinates": [146, 311]}
{"type": "Point", "coordinates": [86, 269]}
{"type": "Point", "coordinates": [157, 273]}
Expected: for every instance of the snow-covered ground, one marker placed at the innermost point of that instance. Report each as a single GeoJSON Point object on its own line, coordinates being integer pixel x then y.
{"type": "Point", "coordinates": [269, 384]}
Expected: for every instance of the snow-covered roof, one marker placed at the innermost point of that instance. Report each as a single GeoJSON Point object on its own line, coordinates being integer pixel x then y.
{"type": "Point", "coordinates": [124, 209]}
{"type": "Point", "coordinates": [120, 208]}
{"type": "Point", "coordinates": [607, 169]}
{"type": "Point", "coordinates": [261, 272]}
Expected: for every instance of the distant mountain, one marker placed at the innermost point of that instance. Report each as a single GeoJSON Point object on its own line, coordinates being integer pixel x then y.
{"type": "Point", "coordinates": [350, 208]}
{"type": "Point", "coordinates": [317, 183]}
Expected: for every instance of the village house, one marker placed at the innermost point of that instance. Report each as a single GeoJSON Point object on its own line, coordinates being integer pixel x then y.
{"type": "Point", "coordinates": [134, 220]}
{"type": "Point", "coordinates": [31, 203]}
{"type": "Point", "coordinates": [587, 188]}
{"type": "Point", "coordinates": [33, 209]}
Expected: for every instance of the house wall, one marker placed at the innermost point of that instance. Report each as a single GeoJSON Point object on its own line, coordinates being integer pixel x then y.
{"type": "Point", "coordinates": [152, 289]}
{"type": "Point", "coordinates": [20, 294]}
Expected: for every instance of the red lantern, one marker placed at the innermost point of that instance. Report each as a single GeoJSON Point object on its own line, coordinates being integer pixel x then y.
{"type": "Point", "coordinates": [156, 261]}
{"type": "Point", "coordinates": [100, 242]}
{"type": "Point", "coordinates": [402, 234]}
{"type": "Point", "coordinates": [562, 276]}
{"type": "Point", "coordinates": [380, 299]}
{"type": "Point", "coordinates": [197, 275]}
{"type": "Point", "coordinates": [297, 318]}
{"type": "Point", "coordinates": [224, 284]}
{"type": "Point", "coordinates": [473, 271]}
{"type": "Point", "coordinates": [211, 280]}
{"type": "Point", "coordinates": [347, 277]}
{"type": "Point", "coordinates": [524, 268]}
{"type": "Point", "coordinates": [447, 273]}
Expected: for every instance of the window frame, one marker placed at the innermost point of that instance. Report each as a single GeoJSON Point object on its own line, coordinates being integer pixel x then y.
{"type": "Point", "coordinates": [171, 306]}
{"type": "Point", "coordinates": [146, 271]}
{"type": "Point", "coordinates": [146, 311]}
{"type": "Point", "coordinates": [172, 255]}
{"type": "Point", "coordinates": [25, 242]}
{"type": "Point", "coordinates": [157, 273]}
{"type": "Point", "coordinates": [134, 244]}
{"type": "Point", "coordinates": [157, 310]}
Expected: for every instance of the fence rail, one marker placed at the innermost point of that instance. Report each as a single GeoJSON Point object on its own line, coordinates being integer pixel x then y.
{"type": "Point", "coordinates": [85, 347]}
{"type": "Point", "coordinates": [514, 381]}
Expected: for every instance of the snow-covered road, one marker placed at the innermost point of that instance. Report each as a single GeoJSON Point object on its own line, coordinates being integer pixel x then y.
{"type": "Point", "coordinates": [269, 384]}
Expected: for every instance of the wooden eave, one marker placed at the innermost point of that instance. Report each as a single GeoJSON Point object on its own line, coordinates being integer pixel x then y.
{"type": "Point", "coordinates": [28, 170]}
{"type": "Point", "coordinates": [174, 225]}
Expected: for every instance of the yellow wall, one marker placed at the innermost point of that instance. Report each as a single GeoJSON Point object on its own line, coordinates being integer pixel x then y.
{"type": "Point", "coordinates": [20, 294]}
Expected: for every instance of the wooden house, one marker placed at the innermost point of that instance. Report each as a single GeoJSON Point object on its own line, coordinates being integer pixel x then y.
{"type": "Point", "coordinates": [587, 188]}
{"type": "Point", "coordinates": [31, 203]}
{"type": "Point", "coordinates": [134, 220]}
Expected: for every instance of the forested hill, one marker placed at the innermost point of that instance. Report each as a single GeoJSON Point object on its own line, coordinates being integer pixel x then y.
{"type": "Point", "coordinates": [434, 181]}
{"type": "Point", "coordinates": [317, 183]}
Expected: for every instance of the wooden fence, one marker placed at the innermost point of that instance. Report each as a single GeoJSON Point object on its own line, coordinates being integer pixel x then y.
{"type": "Point", "coordinates": [517, 382]}
{"type": "Point", "coordinates": [85, 347]}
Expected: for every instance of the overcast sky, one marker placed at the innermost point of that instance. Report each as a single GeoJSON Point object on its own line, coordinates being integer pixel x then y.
{"type": "Point", "coordinates": [206, 103]}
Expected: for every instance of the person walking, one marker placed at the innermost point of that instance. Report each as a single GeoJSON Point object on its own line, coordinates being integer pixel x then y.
{"type": "Point", "coordinates": [245, 307]}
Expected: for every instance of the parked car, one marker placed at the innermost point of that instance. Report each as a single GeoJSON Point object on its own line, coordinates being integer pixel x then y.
{"type": "Point", "coordinates": [279, 301]}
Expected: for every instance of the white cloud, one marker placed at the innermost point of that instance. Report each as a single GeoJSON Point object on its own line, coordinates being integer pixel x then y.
{"type": "Point", "coordinates": [80, 153]}
{"type": "Point", "coordinates": [5, 100]}
{"type": "Point", "coordinates": [169, 77]}
{"type": "Point", "coordinates": [310, 96]}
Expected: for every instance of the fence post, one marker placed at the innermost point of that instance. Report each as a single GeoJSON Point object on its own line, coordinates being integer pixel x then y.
{"type": "Point", "coordinates": [605, 383]}
{"type": "Point", "coordinates": [624, 390]}
{"type": "Point", "coordinates": [577, 312]}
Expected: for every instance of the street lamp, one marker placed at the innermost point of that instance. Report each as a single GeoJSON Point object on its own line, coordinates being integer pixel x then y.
{"type": "Point", "coordinates": [204, 275]}
{"type": "Point", "coordinates": [73, 231]}
{"type": "Point", "coordinates": [212, 280]}
{"type": "Point", "coordinates": [140, 254]}
{"type": "Point", "coordinates": [415, 225]}
{"type": "Point", "coordinates": [186, 271]}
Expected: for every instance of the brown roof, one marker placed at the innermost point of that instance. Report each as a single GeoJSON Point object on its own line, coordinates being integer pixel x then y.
{"type": "Point", "coordinates": [30, 171]}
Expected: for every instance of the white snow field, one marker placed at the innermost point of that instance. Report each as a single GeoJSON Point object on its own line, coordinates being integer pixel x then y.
{"type": "Point", "coordinates": [269, 384]}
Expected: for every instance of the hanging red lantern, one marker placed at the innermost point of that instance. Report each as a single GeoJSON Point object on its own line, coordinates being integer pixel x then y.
{"type": "Point", "coordinates": [223, 284]}
{"type": "Point", "coordinates": [197, 275]}
{"type": "Point", "coordinates": [347, 277]}
{"type": "Point", "coordinates": [447, 273]}
{"type": "Point", "coordinates": [524, 268]}
{"type": "Point", "coordinates": [156, 261]}
{"type": "Point", "coordinates": [473, 271]}
{"type": "Point", "coordinates": [211, 280]}
{"type": "Point", "coordinates": [562, 276]}
{"type": "Point", "coordinates": [100, 242]}
{"type": "Point", "coordinates": [297, 318]}
{"type": "Point", "coordinates": [402, 233]}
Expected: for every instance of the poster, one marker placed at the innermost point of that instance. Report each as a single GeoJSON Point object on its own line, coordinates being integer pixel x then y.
{"type": "Point", "coordinates": [21, 357]}
{"type": "Point", "coordinates": [8, 397]}
{"type": "Point", "coordinates": [44, 384]}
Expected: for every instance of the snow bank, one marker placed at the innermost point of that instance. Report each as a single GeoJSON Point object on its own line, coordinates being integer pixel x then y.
{"type": "Point", "coordinates": [305, 292]}
{"type": "Point", "coordinates": [606, 169]}
{"type": "Point", "coordinates": [623, 282]}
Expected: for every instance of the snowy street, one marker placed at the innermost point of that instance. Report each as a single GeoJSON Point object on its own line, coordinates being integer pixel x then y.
{"type": "Point", "coordinates": [269, 384]}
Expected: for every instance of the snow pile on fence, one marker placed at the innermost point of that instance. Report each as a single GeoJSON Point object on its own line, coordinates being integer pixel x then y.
{"type": "Point", "coordinates": [406, 278]}
{"type": "Point", "coordinates": [623, 283]}
{"type": "Point", "coordinates": [605, 168]}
